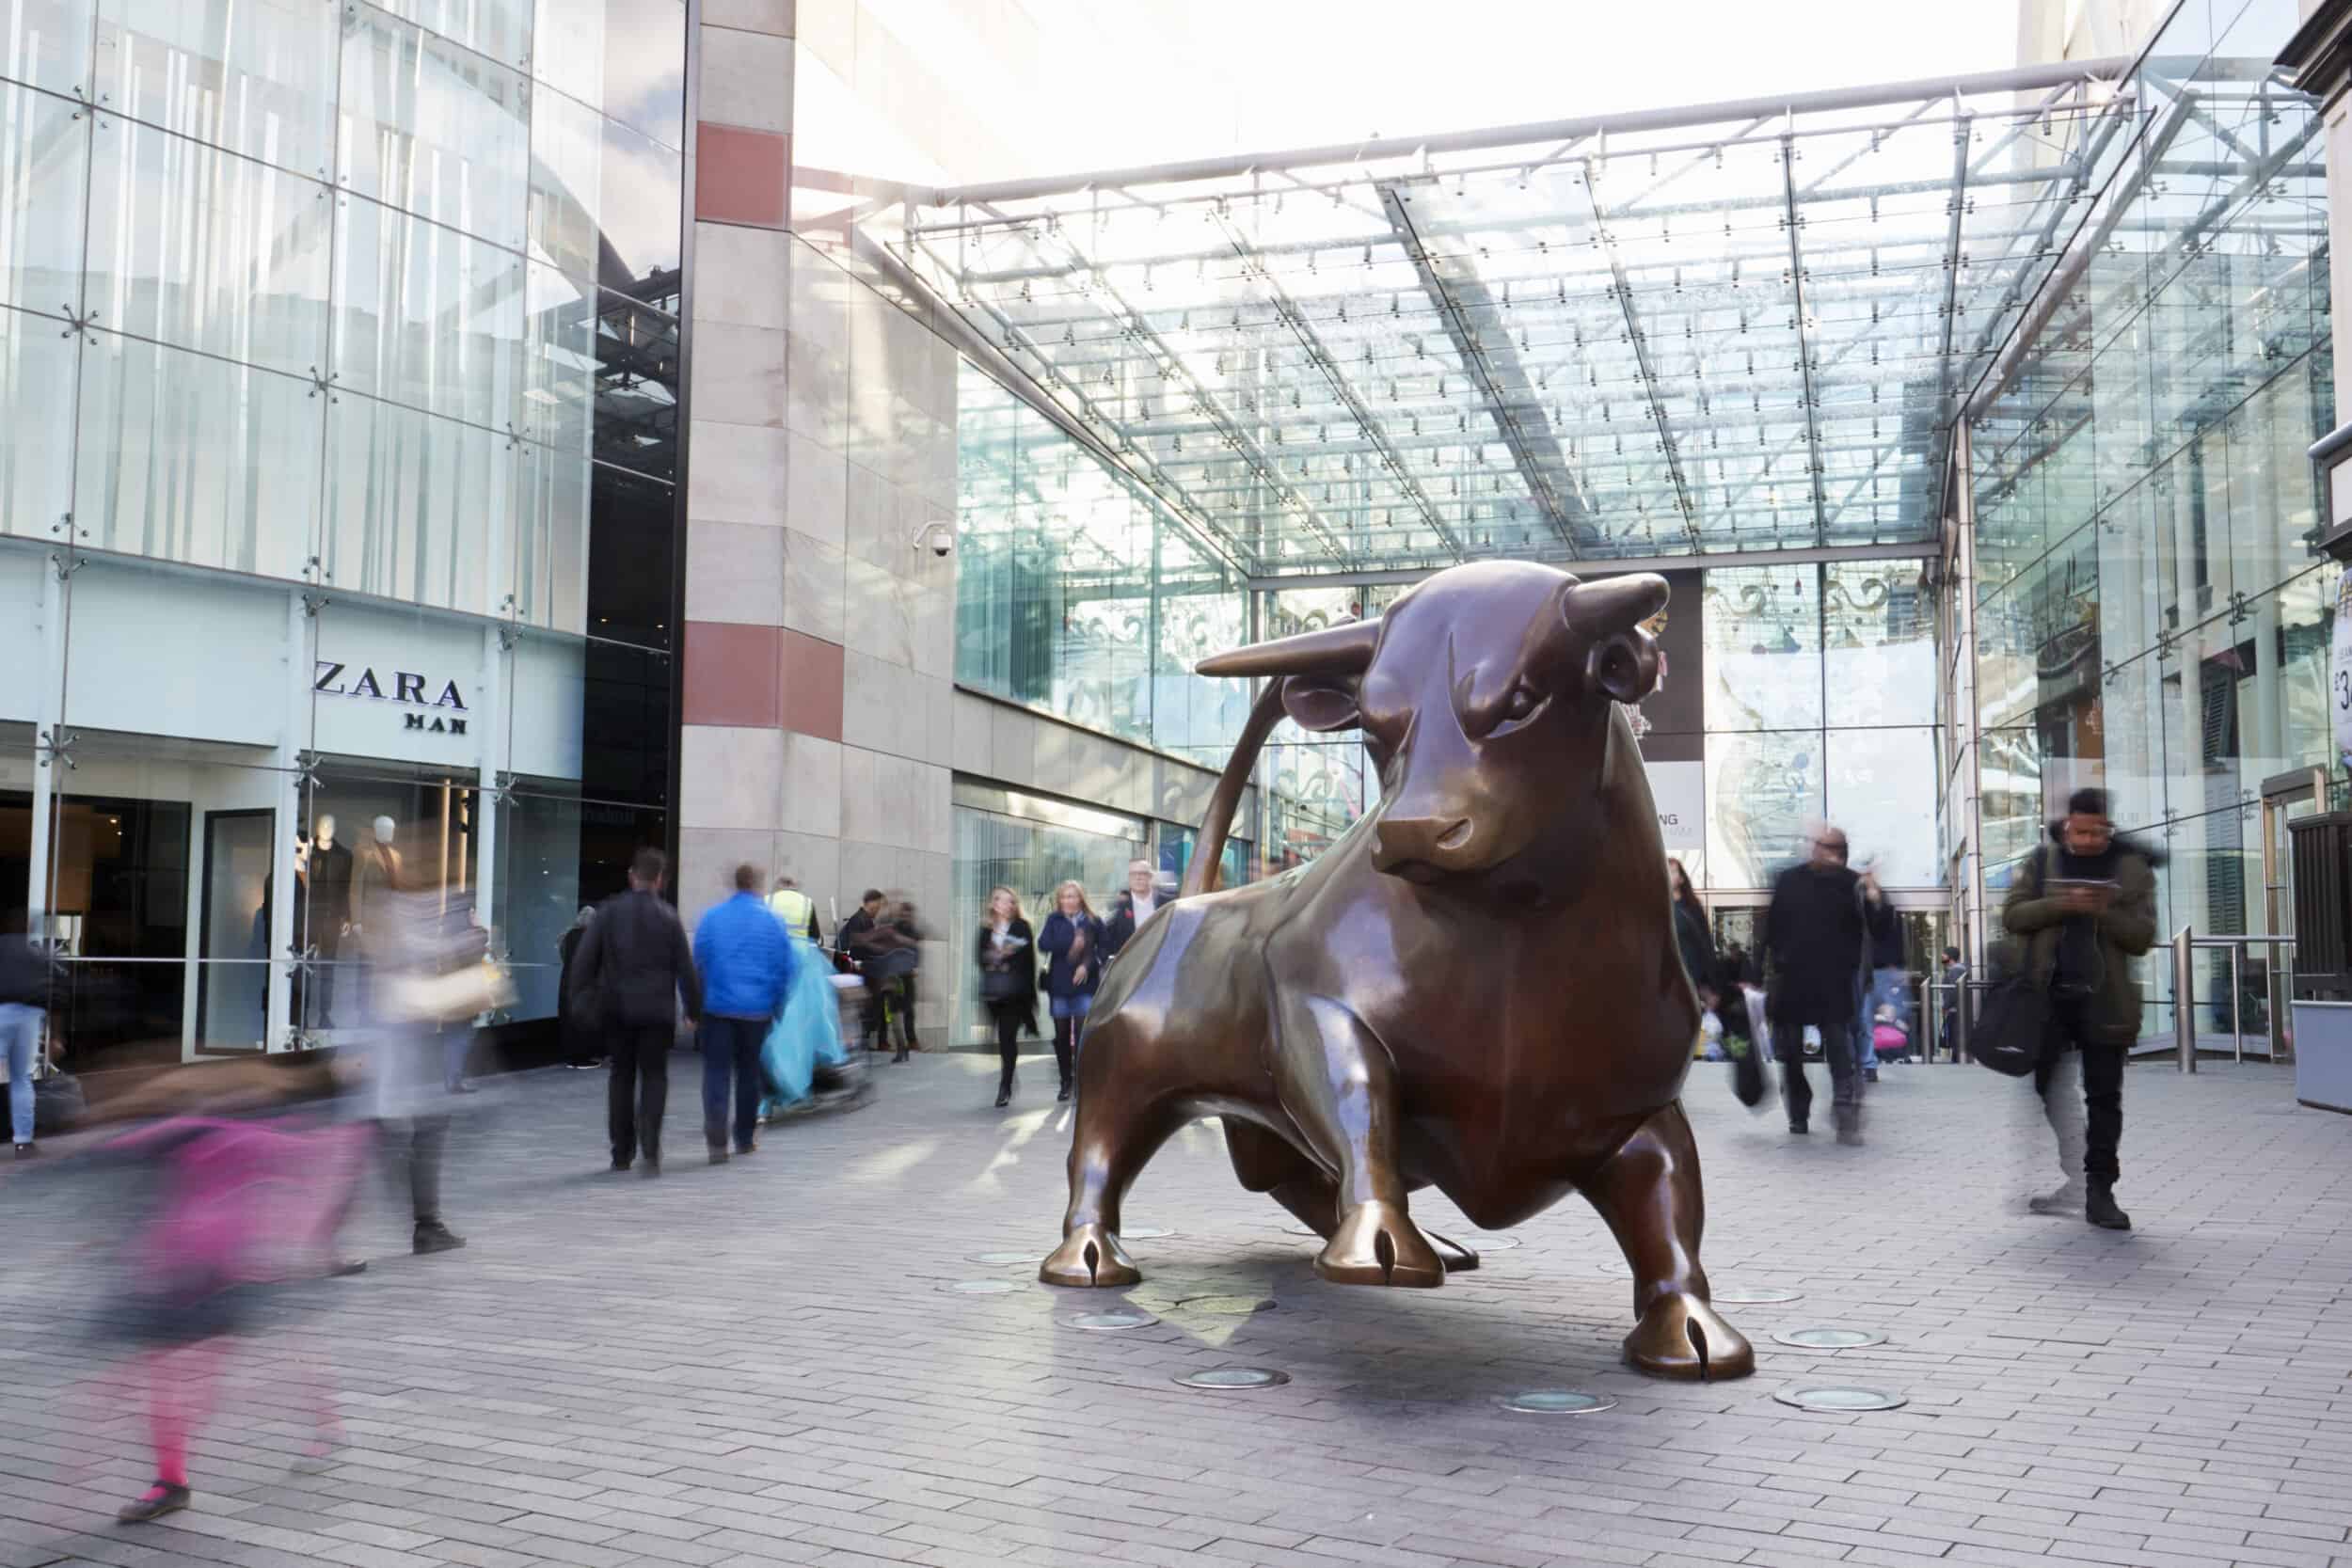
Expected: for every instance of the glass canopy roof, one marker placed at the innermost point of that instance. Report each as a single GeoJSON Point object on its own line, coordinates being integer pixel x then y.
{"type": "Point", "coordinates": [1739, 328]}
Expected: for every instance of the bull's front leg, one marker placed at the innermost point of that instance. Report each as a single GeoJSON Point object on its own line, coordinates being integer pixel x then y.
{"type": "Point", "coordinates": [1649, 1193]}
{"type": "Point", "coordinates": [1339, 1085]}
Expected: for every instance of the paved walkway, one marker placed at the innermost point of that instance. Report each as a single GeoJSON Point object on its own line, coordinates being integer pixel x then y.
{"type": "Point", "coordinates": [765, 1362]}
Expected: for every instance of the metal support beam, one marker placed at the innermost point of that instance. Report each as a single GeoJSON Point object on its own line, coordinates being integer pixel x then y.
{"type": "Point", "coordinates": [1804, 338]}
{"type": "Point", "coordinates": [1621, 288]}
{"type": "Point", "coordinates": [1945, 375]}
{"type": "Point", "coordinates": [1342, 389]}
{"type": "Point", "coordinates": [1604, 565]}
{"type": "Point", "coordinates": [1513, 397]}
{"type": "Point", "coordinates": [2021, 79]}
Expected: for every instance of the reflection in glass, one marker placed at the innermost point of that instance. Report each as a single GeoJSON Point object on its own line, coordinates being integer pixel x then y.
{"type": "Point", "coordinates": [37, 368]}
{"type": "Point", "coordinates": [551, 562]}
{"type": "Point", "coordinates": [627, 58]}
{"type": "Point", "coordinates": [413, 503]}
{"type": "Point", "coordinates": [43, 186]}
{"type": "Point", "coordinates": [1881, 789]}
{"type": "Point", "coordinates": [637, 386]}
{"type": "Point", "coordinates": [1762, 790]}
{"type": "Point", "coordinates": [427, 317]}
{"type": "Point", "coordinates": [433, 128]}
{"type": "Point", "coordinates": [1878, 659]}
{"type": "Point", "coordinates": [255, 79]}
{"type": "Point", "coordinates": [605, 201]}
{"type": "Point", "coordinates": [1763, 628]}
{"type": "Point", "coordinates": [631, 527]}
{"type": "Point", "coordinates": [188, 458]}
{"type": "Point", "coordinates": [45, 43]}
{"type": "Point", "coordinates": [208, 251]}
{"type": "Point", "coordinates": [499, 28]}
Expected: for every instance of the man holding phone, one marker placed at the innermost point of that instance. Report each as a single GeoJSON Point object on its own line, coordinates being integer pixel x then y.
{"type": "Point", "coordinates": [2086, 906]}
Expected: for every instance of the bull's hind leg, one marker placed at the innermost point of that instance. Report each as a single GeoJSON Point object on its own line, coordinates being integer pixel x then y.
{"type": "Point", "coordinates": [1648, 1190]}
{"type": "Point", "coordinates": [1339, 1087]}
{"type": "Point", "coordinates": [1266, 1163]}
{"type": "Point", "coordinates": [1122, 1120]}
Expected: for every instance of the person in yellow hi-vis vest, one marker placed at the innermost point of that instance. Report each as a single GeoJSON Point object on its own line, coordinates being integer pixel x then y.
{"type": "Point", "coordinates": [796, 909]}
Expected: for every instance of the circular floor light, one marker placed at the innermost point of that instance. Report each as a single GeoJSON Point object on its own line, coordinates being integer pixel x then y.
{"type": "Point", "coordinates": [1002, 1258]}
{"type": "Point", "coordinates": [1227, 1379]}
{"type": "Point", "coordinates": [1112, 1321]}
{"type": "Point", "coordinates": [1754, 1295]}
{"type": "Point", "coordinates": [1145, 1233]}
{"type": "Point", "coordinates": [1839, 1396]}
{"type": "Point", "coordinates": [1829, 1339]}
{"type": "Point", "coordinates": [981, 1288]}
{"type": "Point", "coordinates": [1555, 1402]}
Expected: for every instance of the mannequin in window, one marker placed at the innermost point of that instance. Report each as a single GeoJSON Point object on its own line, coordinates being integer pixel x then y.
{"type": "Point", "coordinates": [375, 871]}
{"type": "Point", "coordinates": [326, 920]}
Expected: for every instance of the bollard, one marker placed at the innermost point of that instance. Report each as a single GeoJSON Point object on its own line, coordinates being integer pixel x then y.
{"type": "Point", "coordinates": [2185, 1000]}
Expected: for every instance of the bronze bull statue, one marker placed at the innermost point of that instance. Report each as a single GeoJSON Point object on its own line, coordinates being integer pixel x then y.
{"type": "Point", "coordinates": [1476, 988]}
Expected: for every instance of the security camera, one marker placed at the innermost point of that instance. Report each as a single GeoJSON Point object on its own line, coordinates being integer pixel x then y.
{"type": "Point", "coordinates": [938, 538]}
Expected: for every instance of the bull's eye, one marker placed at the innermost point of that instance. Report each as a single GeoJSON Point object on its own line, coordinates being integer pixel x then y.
{"type": "Point", "coordinates": [1522, 706]}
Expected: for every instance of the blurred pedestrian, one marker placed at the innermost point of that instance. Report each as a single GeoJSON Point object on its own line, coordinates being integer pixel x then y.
{"type": "Point", "coordinates": [2086, 906]}
{"type": "Point", "coordinates": [1006, 951]}
{"type": "Point", "coordinates": [243, 1194]}
{"type": "Point", "coordinates": [1072, 942]}
{"type": "Point", "coordinates": [1955, 978]}
{"type": "Point", "coordinates": [428, 981]}
{"type": "Point", "coordinates": [577, 1034]}
{"type": "Point", "coordinates": [1816, 931]}
{"type": "Point", "coordinates": [746, 964]}
{"type": "Point", "coordinates": [1131, 908]}
{"type": "Point", "coordinates": [1693, 939]}
{"type": "Point", "coordinates": [635, 971]}
{"type": "Point", "coordinates": [24, 985]}
{"type": "Point", "coordinates": [858, 939]}
{"type": "Point", "coordinates": [1882, 981]}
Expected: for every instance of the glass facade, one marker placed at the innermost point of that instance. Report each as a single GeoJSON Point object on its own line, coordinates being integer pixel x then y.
{"type": "Point", "coordinates": [2152, 614]}
{"type": "Point", "coordinates": [340, 354]}
{"type": "Point", "coordinates": [1820, 702]}
{"type": "Point", "coordinates": [1077, 594]}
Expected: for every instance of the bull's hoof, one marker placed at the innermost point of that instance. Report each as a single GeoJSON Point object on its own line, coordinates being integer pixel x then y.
{"type": "Point", "coordinates": [1457, 1257]}
{"type": "Point", "coordinates": [1376, 1244]}
{"type": "Point", "coordinates": [1683, 1337]}
{"type": "Point", "coordinates": [1088, 1257]}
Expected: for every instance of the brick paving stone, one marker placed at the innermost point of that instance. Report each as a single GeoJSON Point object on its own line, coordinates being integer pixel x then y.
{"type": "Point", "coordinates": [758, 1364]}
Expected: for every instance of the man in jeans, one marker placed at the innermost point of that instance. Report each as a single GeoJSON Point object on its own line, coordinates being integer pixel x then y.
{"type": "Point", "coordinates": [631, 974]}
{"type": "Point", "coordinates": [2086, 906]}
{"type": "Point", "coordinates": [746, 964]}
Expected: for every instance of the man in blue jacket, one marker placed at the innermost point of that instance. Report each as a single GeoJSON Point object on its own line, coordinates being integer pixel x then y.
{"type": "Point", "coordinates": [746, 964]}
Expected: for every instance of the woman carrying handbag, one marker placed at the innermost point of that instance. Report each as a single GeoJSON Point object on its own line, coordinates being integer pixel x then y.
{"type": "Point", "coordinates": [1007, 955]}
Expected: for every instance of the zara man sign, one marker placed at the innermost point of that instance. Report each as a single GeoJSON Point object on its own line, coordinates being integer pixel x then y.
{"type": "Point", "coordinates": [444, 713]}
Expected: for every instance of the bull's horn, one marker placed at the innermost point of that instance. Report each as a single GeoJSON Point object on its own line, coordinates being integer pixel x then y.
{"type": "Point", "coordinates": [1611, 604]}
{"type": "Point", "coordinates": [1341, 650]}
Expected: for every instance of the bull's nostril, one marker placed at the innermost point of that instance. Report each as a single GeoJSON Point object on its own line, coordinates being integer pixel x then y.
{"type": "Point", "coordinates": [1455, 836]}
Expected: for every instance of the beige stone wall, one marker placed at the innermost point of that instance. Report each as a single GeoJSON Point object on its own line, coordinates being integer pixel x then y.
{"type": "Point", "coordinates": [821, 726]}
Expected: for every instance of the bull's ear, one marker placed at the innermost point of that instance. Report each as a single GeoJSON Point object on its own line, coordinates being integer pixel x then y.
{"type": "Point", "coordinates": [1624, 666]}
{"type": "Point", "coordinates": [1321, 703]}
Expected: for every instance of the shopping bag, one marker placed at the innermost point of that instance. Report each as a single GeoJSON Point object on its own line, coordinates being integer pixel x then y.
{"type": "Point", "coordinates": [1747, 1073]}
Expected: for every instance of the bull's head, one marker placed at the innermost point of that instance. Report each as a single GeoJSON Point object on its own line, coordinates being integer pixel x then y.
{"type": "Point", "coordinates": [1484, 698]}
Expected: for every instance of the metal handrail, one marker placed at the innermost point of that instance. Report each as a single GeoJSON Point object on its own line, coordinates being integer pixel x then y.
{"type": "Point", "coordinates": [2185, 943]}
{"type": "Point", "coordinates": [1934, 1031]}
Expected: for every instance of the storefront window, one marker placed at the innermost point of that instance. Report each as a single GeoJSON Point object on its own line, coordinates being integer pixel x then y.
{"type": "Point", "coordinates": [1005, 838]}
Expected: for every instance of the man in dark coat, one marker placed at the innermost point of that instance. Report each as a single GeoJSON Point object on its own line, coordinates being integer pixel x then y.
{"type": "Point", "coordinates": [634, 969]}
{"type": "Point", "coordinates": [1817, 934]}
{"type": "Point", "coordinates": [2085, 905]}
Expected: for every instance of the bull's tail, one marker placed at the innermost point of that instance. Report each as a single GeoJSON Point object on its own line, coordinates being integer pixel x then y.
{"type": "Point", "coordinates": [1209, 854]}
